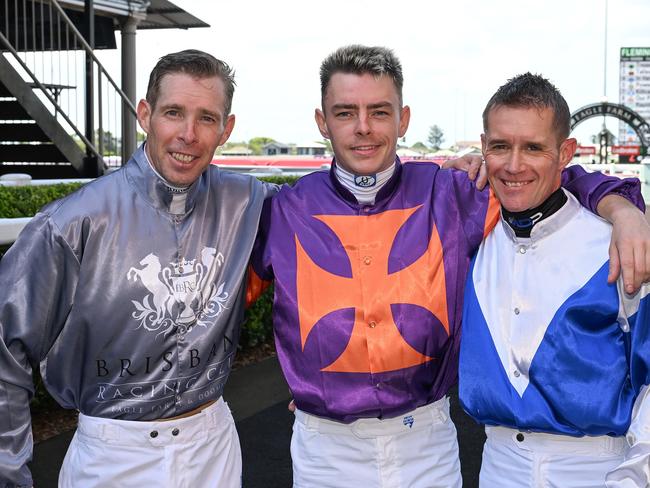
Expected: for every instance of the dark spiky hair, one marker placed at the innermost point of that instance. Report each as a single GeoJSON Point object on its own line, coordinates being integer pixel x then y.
{"type": "Point", "coordinates": [359, 60]}
{"type": "Point", "coordinates": [530, 90]}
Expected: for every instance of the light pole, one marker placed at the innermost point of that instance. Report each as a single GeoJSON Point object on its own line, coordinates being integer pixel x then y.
{"type": "Point", "coordinates": [603, 136]}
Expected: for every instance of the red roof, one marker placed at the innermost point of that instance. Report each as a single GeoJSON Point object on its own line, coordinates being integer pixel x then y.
{"type": "Point", "coordinates": [274, 161]}
{"type": "Point", "coordinates": [289, 161]}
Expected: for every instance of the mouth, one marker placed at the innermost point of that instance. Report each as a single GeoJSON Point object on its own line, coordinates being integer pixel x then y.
{"type": "Point", "coordinates": [515, 184]}
{"type": "Point", "coordinates": [182, 157]}
{"type": "Point", "coordinates": [365, 149]}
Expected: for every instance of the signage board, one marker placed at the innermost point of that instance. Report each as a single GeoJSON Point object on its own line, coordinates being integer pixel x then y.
{"type": "Point", "coordinates": [586, 150]}
{"type": "Point", "coordinates": [634, 88]}
{"type": "Point", "coordinates": [626, 150]}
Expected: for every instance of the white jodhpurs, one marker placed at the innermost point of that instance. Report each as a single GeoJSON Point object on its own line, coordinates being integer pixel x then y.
{"type": "Point", "coordinates": [415, 450]}
{"type": "Point", "coordinates": [191, 452]}
{"type": "Point", "coordinates": [514, 459]}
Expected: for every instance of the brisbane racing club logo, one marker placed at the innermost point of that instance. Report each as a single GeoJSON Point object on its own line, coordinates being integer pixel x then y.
{"type": "Point", "coordinates": [375, 344]}
{"type": "Point", "coordinates": [181, 294]}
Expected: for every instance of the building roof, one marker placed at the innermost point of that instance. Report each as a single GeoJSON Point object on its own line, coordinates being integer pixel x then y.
{"type": "Point", "coordinates": [154, 14]}
{"type": "Point", "coordinates": [464, 144]}
{"type": "Point", "coordinates": [163, 14]}
{"type": "Point", "coordinates": [314, 144]}
{"type": "Point", "coordinates": [236, 150]}
{"type": "Point", "coordinates": [275, 144]}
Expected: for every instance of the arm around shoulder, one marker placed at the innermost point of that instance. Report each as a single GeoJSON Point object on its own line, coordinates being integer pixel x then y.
{"type": "Point", "coordinates": [619, 201]}
{"type": "Point", "coordinates": [629, 250]}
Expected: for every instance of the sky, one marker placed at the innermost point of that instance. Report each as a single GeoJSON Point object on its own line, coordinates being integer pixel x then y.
{"type": "Point", "coordinates": [454, 54]}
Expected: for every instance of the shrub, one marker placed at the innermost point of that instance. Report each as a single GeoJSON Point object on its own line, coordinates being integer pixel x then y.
{"type": "Point", "coordinates": [258, 325]}
{"type": "Point", "coordinates": [25, 201]}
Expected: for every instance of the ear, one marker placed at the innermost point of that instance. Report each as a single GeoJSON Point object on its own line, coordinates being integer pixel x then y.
{"type": "Point", "coordinates": [483, 146]}
{"type": "Point", "coordinates": [229, 126]}
{"type": "Point", "coordinates": [320, 122]}
{"type": "Point", "coordinates": [567, 151]}
{"type": "Point", "coordinates": [144, 114]}
{"type": "Point", "coordinates": [404, 119]}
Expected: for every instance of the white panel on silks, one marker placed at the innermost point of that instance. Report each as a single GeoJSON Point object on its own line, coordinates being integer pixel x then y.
{"type": "Point", "coordinates": [520, 283]}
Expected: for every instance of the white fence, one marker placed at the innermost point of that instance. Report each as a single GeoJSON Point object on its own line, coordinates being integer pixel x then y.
{"type": "Point", "coordinates": [10, 228]}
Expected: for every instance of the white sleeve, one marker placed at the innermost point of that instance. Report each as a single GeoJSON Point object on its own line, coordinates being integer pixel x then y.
{"type": "Point", "coordinates": [634, 471]}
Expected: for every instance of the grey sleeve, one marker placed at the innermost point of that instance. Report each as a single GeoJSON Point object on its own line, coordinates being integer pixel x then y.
{"type": "Point", "coordinates": [38, 277]}
{"type": "Point", "coordinates": [270, 189]}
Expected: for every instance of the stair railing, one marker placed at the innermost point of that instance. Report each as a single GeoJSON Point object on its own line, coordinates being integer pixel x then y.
{"type": "Point", "coordinates": [50, 52]}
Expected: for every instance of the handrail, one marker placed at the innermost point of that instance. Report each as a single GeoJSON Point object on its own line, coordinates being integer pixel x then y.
{"type": "Point", "coordinates": [50, 98]}
{"type": "Point", "coordinates": [44, 43]}
{"type": "Point", "coordinates": [89, 50]}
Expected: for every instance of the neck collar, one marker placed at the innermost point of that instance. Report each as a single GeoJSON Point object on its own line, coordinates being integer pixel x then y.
{"type": "Point", "coordinates": [364, 187]}
{"type": "Point", "coordinates": [523, 222]}
{"type": "Point", "coordinates": [157, 191]}
{"type": "Point", "coordinates": [550, 224]}
{"type": "Point", "coordinates": [383, 193]}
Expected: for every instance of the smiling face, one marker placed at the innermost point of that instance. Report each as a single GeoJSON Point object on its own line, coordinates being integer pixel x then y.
{"type": "Point", "coordinates": [363, 118]}
{"type": "Point", "coordinates": [185, 127]}
{"type": "Point", "coordinates": [524, 155]}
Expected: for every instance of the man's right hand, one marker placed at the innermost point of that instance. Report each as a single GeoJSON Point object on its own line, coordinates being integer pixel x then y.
{"type": "Point", "coordinates": [473, 165]}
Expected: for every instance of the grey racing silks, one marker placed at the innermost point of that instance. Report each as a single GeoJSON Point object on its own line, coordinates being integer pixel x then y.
{"type": "Point", "coordinates": [131, 310]}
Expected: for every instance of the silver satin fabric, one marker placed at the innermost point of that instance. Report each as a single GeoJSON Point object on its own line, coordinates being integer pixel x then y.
{"type": "Point", "coordinates": [132, 312]}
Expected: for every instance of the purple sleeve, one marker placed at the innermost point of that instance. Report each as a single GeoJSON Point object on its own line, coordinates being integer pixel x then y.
{"type": "Point", "coordinates": [590, 188]}
{"type": "Point", "coordinates": [260, 257]}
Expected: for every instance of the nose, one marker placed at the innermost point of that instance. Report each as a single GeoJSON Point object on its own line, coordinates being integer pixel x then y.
{"type": "Point", "coordinates": [363, 124]}
{"type": "Point", "coordinates": [188, 132]}
{"type": "Point", "coordinates": [514, 163]}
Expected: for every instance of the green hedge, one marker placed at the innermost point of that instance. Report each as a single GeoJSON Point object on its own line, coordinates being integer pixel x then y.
{"type": "Point", "coordinates": [27, 200]}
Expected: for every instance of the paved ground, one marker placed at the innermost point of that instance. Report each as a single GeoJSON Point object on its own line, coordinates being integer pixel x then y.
{"type": "Point", "coordinates": [258, 398]}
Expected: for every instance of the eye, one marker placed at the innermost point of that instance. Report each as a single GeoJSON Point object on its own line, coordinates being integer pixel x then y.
{"type": "Point", "coordinates": [498, 147]}
{"type": "Point", "coordinates": [172, 113]}
{"type": "Point", "coordinates": [208, 119]}
{"type": "Point", "coordinates": [381, 113]}
{"type": "Point", "coordinates": [343, 115]}
{"type": "Point", "coordinates": [534, 147]}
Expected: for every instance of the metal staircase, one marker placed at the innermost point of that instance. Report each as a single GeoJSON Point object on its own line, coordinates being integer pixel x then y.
{"type": "Point", "coordinates": [28, 131]}
{"type": "Point", "coordinates": [47, 68]}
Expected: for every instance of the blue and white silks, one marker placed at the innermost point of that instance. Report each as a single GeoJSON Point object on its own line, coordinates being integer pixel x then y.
{"type": "Point", "coordinates": [548, 345]}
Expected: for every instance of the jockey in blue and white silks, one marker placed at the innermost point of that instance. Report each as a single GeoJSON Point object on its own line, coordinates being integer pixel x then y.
{"type": "Point", "coordinates": [549, 347]}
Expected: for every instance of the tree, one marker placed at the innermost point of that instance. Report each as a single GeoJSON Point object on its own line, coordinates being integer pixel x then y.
{"type": "Point", "coordinates": [420, 147]}
{"type": "Point", "coordinates": [436, 137]}
{"type": "Point", "coordinates": [328, 146]}
{"type": "Point", "coordinates": [257, 143]}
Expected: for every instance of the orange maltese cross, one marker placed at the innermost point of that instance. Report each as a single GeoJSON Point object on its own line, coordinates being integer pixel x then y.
{"type": "Point", "coordinates": [376, 344]}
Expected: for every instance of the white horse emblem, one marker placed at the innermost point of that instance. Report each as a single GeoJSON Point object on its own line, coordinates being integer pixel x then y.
{"type": "Point", "coordinates": [182, 294]}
